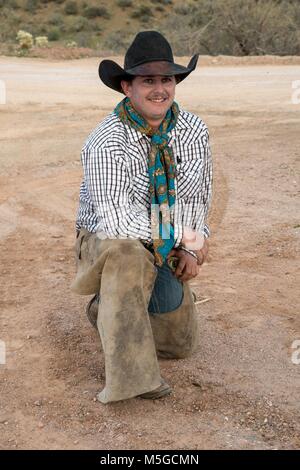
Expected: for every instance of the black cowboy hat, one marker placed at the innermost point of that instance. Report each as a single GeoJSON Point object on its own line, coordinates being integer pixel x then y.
{"type": "Point", "coordinates": [149, 54]}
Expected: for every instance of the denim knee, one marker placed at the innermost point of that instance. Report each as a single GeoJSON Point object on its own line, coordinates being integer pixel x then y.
{"type": "Point", "coordinates": [167, 293]}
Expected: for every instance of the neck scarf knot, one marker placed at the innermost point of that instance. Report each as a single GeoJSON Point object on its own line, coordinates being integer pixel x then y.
{"type": "Point", "coordinates": [161, 168]}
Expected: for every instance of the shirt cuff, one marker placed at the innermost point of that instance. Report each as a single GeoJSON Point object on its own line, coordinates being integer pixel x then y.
{"type": "Point", "coordinates": [206, 231]}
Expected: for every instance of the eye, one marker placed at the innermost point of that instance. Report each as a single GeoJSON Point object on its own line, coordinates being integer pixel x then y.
{"type": "Point", "coordinates": [167, 79]}
{"type": "Point", "coordinates": [148, 80]}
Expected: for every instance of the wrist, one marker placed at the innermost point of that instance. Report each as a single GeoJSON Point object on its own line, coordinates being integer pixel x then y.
{"type": "Point", "coordinates": [190, 252]}
{"type": "Point", "coordinates": [199, 255]}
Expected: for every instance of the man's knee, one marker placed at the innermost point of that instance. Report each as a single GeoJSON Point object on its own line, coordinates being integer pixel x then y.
{"type": "Point", "coordinates": [178, 349]}
{"type": "Point", "coordinates": [176, 333]}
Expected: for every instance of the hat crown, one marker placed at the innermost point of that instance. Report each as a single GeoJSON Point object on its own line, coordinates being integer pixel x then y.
{"type": "Point", "coordinates": [148, 46]}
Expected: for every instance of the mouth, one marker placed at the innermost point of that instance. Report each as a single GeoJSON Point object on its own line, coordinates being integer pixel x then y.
{"type": "Point", "coordinates": [158, 100]}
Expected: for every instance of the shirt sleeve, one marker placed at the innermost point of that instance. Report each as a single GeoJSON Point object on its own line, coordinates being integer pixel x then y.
{"type": "Point", "coordinates": [193, 211]}
{"type": "Point", "coordinates": [108, 183]}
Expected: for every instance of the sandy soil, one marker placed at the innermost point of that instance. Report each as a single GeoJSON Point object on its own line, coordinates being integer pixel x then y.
{"type": "Point", "coordinates": [241, 389]}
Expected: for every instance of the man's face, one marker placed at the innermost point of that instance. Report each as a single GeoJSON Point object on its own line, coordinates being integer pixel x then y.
{"type": "Point", "coordinates": [151, 96]}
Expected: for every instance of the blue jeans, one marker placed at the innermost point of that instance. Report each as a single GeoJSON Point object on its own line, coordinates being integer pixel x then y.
{"type": "Point", "coordinates": [167, 293]}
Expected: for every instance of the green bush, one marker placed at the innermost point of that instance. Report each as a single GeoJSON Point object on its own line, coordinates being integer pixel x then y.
{"type": "Point", "coordinates": [84, 39]}
{"type": "Point", "coordinates": [124, 3]}
{"type": "Point", "coordinates": [164, 2]}
{"type": "Point", "coordinates": [95, 26]}
{"type": "Point", "coordinates": [182, 9]}
{"type": "Point", "coordinates": [71, 44]}
{"type": "Point", "coordinates": [118, 41]}
{"type": "Point", "coordinates": [94, 12]}
{"type": "Point", "coordinates": [54, 34]}
{"type": "Point", "coordinates": [13, 4]}
{"type": "Point", "coordinates": [142, 12]}
{"type": "Point", "coordinates": [78, 24]}
{"type": "Point", "coordinates": [71, 8]}
{"type": "Point", "coordinates": [31, 6]}
{"type": "Point", "coordinates": [41, 41]}
{"type": "Point", "coordinates": [25, 40]}
{"type": "Point", "coordinates": [56, 19]}
{"type": "Point", "coordinates": [236, 27]}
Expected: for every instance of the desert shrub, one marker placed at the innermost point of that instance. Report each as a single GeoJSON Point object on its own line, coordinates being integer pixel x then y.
{"type": "Point", "coordinates": [118, 41]}
{"type": "Point", "coordinates": [13, 4]}
{"type": "Point", "coordinates": [78, 24]}
{"type": "Point", "coordinates": [235, 27]}
{"type": "Point", "coordinates": [84, 39]}
{"type": "Point", "coordinates": [145, 18]}
{"type": "Point", "coordinates": [263, 27]}
{"type": "Point", "coordinates": [31, 6]}
{"type": "Point", "coordinates": [71, 44]}
{"type": "Point", "coordinates": [163, 2]}
{"type": "Point", "coordinates": [41, 41]}
{"type": "Point", "coordinates": [71, 8]}
{"type": "Point", "coordinates": [94, 12]}
{"type": "Point", "coordinates": [142, 12]}
{"type": "Point", "coordinates": [95, 26]}
{"type": "Point", "coordinates": [54, 34]}
{"type": "Point", "coordinates": [25, 40]}
{"type": "Point", "coordinates": [182, 9]}
{"type": "Point", "coordinates": [124, 3]}
{"type": "Point", "coordinates": [56, 19]}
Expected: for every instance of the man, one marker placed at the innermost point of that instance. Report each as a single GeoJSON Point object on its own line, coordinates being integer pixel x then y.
{"type": "Point", "coordinates": [141, 232]}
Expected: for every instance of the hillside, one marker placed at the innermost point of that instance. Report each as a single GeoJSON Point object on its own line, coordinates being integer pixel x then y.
{"type": "Point", "coordinates": [211, 27]}
{"type": "Point", "coordinates": [91, 24]}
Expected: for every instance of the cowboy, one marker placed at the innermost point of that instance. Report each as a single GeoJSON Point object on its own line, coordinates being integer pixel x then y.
{"type": "Point", "coordinates": [141, 225]}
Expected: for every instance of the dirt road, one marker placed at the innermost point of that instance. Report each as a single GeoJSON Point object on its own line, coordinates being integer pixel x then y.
{"type": "Point", "coordinates": [241, 388]}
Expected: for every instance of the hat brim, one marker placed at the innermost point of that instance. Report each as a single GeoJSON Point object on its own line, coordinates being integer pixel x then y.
{"type": "Point", "coordinates": [112, 74]}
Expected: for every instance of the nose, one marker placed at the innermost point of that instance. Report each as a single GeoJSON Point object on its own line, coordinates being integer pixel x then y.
{"type": "Point", "coordinates": [159, 86]}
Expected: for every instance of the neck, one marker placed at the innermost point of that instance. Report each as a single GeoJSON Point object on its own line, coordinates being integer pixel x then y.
{"type": "Point", "coordinates": [154, 124]}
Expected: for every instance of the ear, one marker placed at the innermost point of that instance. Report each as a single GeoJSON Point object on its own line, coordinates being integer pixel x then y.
{"type": "Point", "coordinates": [126, 87]}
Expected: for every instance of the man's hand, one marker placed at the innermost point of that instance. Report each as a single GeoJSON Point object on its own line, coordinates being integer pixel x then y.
{"type": "Point", "coordinates": [202, 254]}
{"type": "Point", "coordinates": [187, 267]}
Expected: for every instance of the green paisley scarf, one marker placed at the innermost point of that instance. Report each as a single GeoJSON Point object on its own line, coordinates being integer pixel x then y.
{"type": "Point", "coordinates": [161, 169]}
